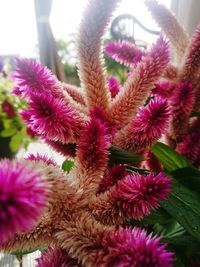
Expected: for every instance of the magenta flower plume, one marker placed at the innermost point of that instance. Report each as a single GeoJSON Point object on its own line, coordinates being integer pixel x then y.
{"type": "Point", "coordinates": [137, 195]}
{"type": "Point", "coordinates": [100, 114]}
{"type": "Point", "coordinates": [190, 147]}
{"type": "Point", "coordinates": [8, 109]}
{"type": "Point", "coordinates": [134, 247]}
{"type": "Point", "coordinates": [114, 86]}
{"type": "Point", "coordinates": [42, 158]}
{"type": "Point", "coordinates": [23, 196]}
{"type": "Point", "coordinates": [140, 83]}
{"type": "Point", "coordinates": [53, 118]}
{"type": "Point", "coordinates": [94, 139]}
{"type": "Point", "coordinates": [112, 176]}
{"type": "Point", "coordinates": [146, 127]}
{"type": "Point", "coordinates": [32, 78]}
{"type": "Point", "coordinates": [56, 257]}
{"type": "Point", "coordinates": [182, 102]}
{"type": "Point", "coordinates": [124, 52]}
{"type": "Point", "coordinates": [163, 89]}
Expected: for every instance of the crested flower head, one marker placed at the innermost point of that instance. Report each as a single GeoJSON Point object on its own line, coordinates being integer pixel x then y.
{"type": "Point", "coordinates": [137, 195]}
{"type": "Point", "coordinates": [124, 52]}
{"type": "Point", "coordinates": [114, 86]}
{"type": "Point", "coordinates": [95, 135]}
{"type": "Point", "coordinates": [134, 247]}
{"type": "Point", "coordinates": [153, 118]}
{"type": "Point", "coordinates": [52, 117]}
{"type": "Point", "coordinates": [33, 78]}
{"type": "Point", "coordinates": [183, 98]}
{"type": "Point", "coordinates": [23, 196]}
{"type": "Point", "coordinates": [146, 127]}
{"type": "Point", "coordinates": [56, 257]}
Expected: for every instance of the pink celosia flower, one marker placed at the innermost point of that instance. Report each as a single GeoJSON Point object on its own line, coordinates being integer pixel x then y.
{"type": "Point", "coordinates": [134, 247]}
{"type": "Point", "coordinates": [138, 87]}
{"type": "Point", "coordinates": [146, 127]}
{"type": "Point", "coordinates": [190, 147]}
{"type": "Point", "coordinates": [43, 158]}
{"type": "Point", "coordinates": [8, 109]}
{"type": "Point", "coordinates": [114, 86]}
{"type": "Point", "coordinates": [23, 196]}
{"type": "Point", "coordinates": [183, 96]}
{"type": "Point", "coordinates": [53, 118]}
{"type": "Point", "coordinates": [124, 52]}
{"type": "Point", "coordinates": [95, 135]}
{"type": "Point", "coordinates": [100, 114]}
{"type": "Point", "coordinates": [182, 102]}
{"type": "Point", "coordinates": [137, 195]}
{"type": "Point", "coordinates": [33, 78]}
{"type": "Point", "coordinates": [163, 89]}
{"type": "Point", "coordinates": [114, 174]}
{"type": "Point", "coordinates": [56, 257]}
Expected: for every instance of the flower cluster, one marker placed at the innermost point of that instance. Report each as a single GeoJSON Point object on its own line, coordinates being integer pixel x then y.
{"type": "Point", "coordinates": [179, 83]}
{"type": "Point", "coordinates": [87, 210]}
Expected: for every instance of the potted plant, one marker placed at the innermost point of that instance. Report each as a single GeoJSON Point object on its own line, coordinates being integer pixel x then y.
{"type": "Point", "coordinates": [13, 132]}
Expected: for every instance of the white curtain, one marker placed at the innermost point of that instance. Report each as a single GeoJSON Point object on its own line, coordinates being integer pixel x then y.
{"type": "Point", "coordinates": [187, 12]}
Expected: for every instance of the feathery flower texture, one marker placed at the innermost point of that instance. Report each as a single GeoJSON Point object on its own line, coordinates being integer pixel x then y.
{"type": "Point", "coordinates": [23, 196]}
{"type": "Point", "coordinates": [82, 215]}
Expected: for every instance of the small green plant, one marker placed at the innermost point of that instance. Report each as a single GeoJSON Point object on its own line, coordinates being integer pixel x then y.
{"type": "Point", "coordinates": [12, 127]}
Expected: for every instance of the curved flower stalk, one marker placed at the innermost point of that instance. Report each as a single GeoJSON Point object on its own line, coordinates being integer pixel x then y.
{"type": "Point", "coordinates": [170, 26]}
{"type": "Point", "coordinates": [90, 62]}
{"type": "Point", "coordinates": [139, 84]}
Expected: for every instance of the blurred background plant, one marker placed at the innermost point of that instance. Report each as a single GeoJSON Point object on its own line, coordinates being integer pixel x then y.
{"type": "Point", "coordinates": [13, 132]}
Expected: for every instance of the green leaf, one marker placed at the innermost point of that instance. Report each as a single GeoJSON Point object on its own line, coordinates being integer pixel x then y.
{"type": "Point", "coordinates": [184, 205]}
{"type": "Point", "coordinates": [134, 169]}
{"type": "Point", "coordinates": [16, 141]}
{"type": "Point", "coordinates": [171, 229]}
{"type": "Point", "coordinates": [7, 123]}
{"type": "Point", "coordinates": [67, 165]}
{"type": "Point", "coordinates": [119, 155]}
{"type": "Point", "coordinates": [190, 177]}
{"type": "Point", "coordinates": [8, 132]}
{"type": "Point", "coordinates": [170, 159]}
